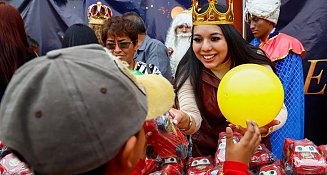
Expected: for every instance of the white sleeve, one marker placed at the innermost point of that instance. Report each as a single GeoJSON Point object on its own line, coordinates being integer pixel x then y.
{"type": "Point", "coordinates": [282, 117]}
{"type": "Point", "coordinates": [187, 103]}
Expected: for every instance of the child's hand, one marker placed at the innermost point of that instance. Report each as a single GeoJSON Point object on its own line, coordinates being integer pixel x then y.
{"type": "Point", "coordinates": [243, 150]}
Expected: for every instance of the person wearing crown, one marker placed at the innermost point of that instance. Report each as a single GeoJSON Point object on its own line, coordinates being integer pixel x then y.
{"type": "Point", "coordinates": [216, 48]}
{"type": "Point", "coordinates": [286, 52]}
{"type": "Point", "coordinates": [178, 38]}
{"type": "Point", "coordinates": [98, 14]}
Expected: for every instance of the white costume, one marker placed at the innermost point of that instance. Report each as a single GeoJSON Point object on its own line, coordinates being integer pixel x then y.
{"type": "Point", "coordinates": [179, 43]}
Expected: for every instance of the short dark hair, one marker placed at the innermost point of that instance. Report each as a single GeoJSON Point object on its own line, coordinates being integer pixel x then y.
{"type": "Point", "coordinates": [136, 20]}
{"type": "Point", "coordinates": [117, 26]}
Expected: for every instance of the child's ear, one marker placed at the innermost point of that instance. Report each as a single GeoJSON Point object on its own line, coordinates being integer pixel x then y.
{"type": "Point", "coordinates": [127, 153]}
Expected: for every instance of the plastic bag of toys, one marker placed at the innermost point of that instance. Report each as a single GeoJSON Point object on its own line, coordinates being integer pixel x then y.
{"type": "Point", "coordinates": [302, 157]}
{"type": "Point", "coordinates": [11, 165]}
{"type": "Point", "coordinates": [166, 140]}
{"type": "Point", "coordinates": [144, 167]}
{"type": "Point", "coordinates": [220, 153]}
{"type": "Point", "coordinates": [171, 166]}
{"type": "Point", "coordinates": [270, 170]}
{"type": "Point", "coordinates": [262, 156]}
{"type": "Point", "coordinates": [214, 171]}
{"type": "Point", "coordinates": [200, 165]}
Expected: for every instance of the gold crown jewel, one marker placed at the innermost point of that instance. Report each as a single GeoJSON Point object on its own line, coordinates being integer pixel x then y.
{"type": "Point", "coordinates": [98, 13]}
{"type": "Point", "coordinates": [212, 15]}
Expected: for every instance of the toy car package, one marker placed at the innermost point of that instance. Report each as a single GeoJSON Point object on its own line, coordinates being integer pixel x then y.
{"type": "Point", "coordinates": [199, 165]}
{"type": "Point", "coordinates": [262, 156]}
{"type": "Point", "coordinates": [270, 170]}
{"type": "Point", "coordinates": [170, 166]}
{"type": "Point", "coordinates": [11, 165]}
{"type": "Point", "coordinates": [220, 153]}
{"type": "Point", "coordinates": [151, 165]}
{"type": "Point", "coordinates": [166, 140]}
{"type": "Point", "coordinates": [302, 157]}
{"type": "Point", "coordinates": [214, 171]}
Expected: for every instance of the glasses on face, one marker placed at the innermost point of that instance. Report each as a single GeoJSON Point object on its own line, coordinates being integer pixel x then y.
{"type": "Point", "coordinates": [122, 45]}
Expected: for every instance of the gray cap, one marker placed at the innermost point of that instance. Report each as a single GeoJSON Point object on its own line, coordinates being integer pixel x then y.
{"type": "Point", "coordinates": [72, 110]}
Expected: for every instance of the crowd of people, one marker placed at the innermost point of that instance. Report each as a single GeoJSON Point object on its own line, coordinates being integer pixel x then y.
{"type": "Point", "coordinates": [80, 109]}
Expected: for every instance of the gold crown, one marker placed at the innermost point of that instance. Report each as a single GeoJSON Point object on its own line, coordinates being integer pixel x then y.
{"type": "Point", "coordinates": [98, 13]}
{"type": "Point", "coordinates": [212, 15]}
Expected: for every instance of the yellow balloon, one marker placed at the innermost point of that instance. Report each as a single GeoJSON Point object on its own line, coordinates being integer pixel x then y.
{"type": "Point", "coordinates": [250, 92]}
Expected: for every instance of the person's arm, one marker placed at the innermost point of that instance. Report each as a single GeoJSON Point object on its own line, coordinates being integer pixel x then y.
{"type": "Point", "coordinates": [188, 110]}
{"type": "Point", "coordinates": [235, 168]}
{"type": "Point", "coordinates": [238, 155]}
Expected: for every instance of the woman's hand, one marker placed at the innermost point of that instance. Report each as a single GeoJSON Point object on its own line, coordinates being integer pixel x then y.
{"type": "Point", "coordinates": [243, 150]}
{"type": "Point", "coordinates": [180, 118]}
{"type": "Point", "coordinates": [264, 130]}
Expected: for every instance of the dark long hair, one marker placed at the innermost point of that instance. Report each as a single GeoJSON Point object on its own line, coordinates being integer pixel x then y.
{"type": "Point", "coordinates": [239, 51]}
{"type": "Point", "coordinates": [13, 42]}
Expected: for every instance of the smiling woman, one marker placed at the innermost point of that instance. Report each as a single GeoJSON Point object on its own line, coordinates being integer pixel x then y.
{"type": "Point", "coordinates": [210, 47]}
{"type": "Point", "coordinates": [120, 38]}
{"type": "Point", "coordinates": [216, 48]}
